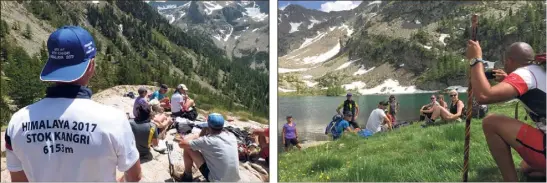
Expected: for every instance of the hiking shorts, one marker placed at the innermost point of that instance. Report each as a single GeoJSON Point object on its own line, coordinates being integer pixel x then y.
{"type": "Point", "coordinates": [204, 169]}
{"type": "Point", "coordinates": [354, 124]}
{"type": "Point", "coordinates": [288, 142]}
{"type": "Point", "coordinates": [532, 150]}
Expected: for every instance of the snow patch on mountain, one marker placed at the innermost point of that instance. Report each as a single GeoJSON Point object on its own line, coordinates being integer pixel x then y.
{"type": "Point", "coordinates": [211, 6]}
{"type": "Point", "coordinates": [362, 70]}
{"type": "Point", "coordinates": [348, 29]}
{"type": "Point", "coordinates": [345, 65]}
{"type": "Point", "coordinates": [392, 87]}
{"type": "Point", "coordinates": [354, 85]}
{"type": "Point", "coordinates": [323, 57]}
{"type": "Point", "coordinates": [284, 70]}
{"type": "Point", "coordinates": [310, 83]}
{"type": "Point", "coordinates": [309, 41]}
{"type": "Point", "coordinates": [255, 14]}
{"type": "Point", "coordinates": [294, 27]}
{"type": "Point", "coordinates": [313, 22]}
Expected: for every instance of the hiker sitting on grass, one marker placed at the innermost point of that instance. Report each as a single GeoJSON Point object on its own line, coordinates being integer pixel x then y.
{"type": "Point", "coordinates": [442, 103]}
{"type": "Point", "coordinates": [290, 136]}
{"type": "Point", "coordinates": [526, 81]}
{"type": "Point", "coordinates": [427, 110]}
{"type": "Point", "coordinates": [215, 153]}
{"type": "Point", "coordinates": [342, 126]}
{"type": "Point", "coordinates": [453, 113]}
{"type": "Point", "coordinates": [378, 119]}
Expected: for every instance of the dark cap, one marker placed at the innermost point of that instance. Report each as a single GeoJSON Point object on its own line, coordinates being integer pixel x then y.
{"type": "Point", "coordinates": [289, 116]}
{"type": "Point", "coordinates": [164, 86]}
{"type": "Point", "coordinates": [348, 113]}
{"type": "Point", "coordinates": [384, 103]}
{"type": "Point", "coordinates": [392, 96]}
{"type": "Point", "coordinates": [142, 90]}
{"type": "Point", "coordinates": [348, 95]}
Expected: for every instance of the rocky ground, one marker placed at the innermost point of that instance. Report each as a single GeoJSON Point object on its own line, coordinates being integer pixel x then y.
{"type": "Point", "coordinates": [157, 169]}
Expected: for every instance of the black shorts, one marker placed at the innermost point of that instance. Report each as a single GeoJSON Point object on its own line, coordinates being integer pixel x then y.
{"type": "Point", "coordinates": [204, 169]}
{"type": "Point", "coordinates": [354, 124]}
{"type": "Point", "coordinates": [288, 142]}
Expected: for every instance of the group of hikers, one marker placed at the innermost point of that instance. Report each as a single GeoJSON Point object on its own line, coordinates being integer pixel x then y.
{"type": "Point", "coordinates": [67, 137]}
{"type": "Point", "coordinates": [523, 78]}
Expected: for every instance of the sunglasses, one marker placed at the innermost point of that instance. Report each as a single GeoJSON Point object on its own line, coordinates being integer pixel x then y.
{"type": "Point", "coordinates": [453, 95]}
{"type": "Point", "coordinates": [432, 98]}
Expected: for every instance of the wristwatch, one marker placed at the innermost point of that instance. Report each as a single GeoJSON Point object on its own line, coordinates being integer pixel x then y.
{"type": "Point", "coordinates": [476, 60]}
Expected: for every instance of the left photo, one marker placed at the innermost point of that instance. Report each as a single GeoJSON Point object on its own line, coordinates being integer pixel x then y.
{"type": "Point", "coordinates": [151, 91]}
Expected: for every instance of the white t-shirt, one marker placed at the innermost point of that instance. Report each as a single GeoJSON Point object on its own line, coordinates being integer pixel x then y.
{"type": "Point", "coordinates": [176, 99]}
{"type": "Point", "coordinates": [70, 140]}
{"type": "Point", "coordinates": [375, 120]}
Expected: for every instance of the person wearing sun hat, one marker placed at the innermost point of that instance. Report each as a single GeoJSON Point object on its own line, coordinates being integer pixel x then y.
{"type": "Point", "coordinates": [215, 153]}
{"type": "Point", "coordinates": [66, 129]}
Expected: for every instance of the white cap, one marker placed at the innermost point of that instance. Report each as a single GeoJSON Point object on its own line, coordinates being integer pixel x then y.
{"type": "Point", "coordinates": [182, 86]}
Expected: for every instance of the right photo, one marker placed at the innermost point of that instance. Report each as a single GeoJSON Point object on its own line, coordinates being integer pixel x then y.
{"type": "Point", "coordinates": [405, 91]}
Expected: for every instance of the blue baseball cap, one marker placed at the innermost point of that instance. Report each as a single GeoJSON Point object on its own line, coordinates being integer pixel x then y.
{"type": "Point", "coordinates": [349, 94]}
{"type": "Point", "coordinates": [215, 121]}
{"type": "Point", "coordinates": [70, 49]}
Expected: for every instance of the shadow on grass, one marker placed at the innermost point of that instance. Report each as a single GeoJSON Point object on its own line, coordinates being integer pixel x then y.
{"type": "Point", "coordinates": [487, 175]}
{"type": "Point", "coordinates": [325, 164]}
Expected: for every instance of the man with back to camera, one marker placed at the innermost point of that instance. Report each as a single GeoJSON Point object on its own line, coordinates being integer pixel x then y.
{"type": "Point", "coordinates": [377, 118]}
{"type": "Point", "coordinates": [141, 105]}
{"type": "Point", "coordinates": [349, 105]}
{"type": "Point", "coordinates": [67, 137]}
{"type": "Point", "coordinates": [526, 81]}
{"type": "Point", "coordinates": [215, 154]}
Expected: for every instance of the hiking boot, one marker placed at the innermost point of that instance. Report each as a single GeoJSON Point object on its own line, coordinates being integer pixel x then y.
{"type": "Point", "coordinates": [185, 177]}
{"type": "Point", "coordinates": [427, 122]}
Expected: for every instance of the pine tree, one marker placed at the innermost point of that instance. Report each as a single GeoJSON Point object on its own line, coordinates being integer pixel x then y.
{"type": "Point", "coordinates": [28, 32]}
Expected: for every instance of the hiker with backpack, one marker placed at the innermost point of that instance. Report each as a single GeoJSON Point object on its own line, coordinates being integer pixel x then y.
{"type": "Point", "coordinates": [454, 112]}
{"type": "Point", "coordinates": [349, 105]}
{"type": "Point", "coordinates": [339, 125]}
{"type": "Point", "coordinates": [523, 77]}
{"type": "Point", "coordinates": [289, 134]}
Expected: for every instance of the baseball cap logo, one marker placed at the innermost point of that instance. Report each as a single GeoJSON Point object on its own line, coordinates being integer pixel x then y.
{"type": "Point", "coordinates": [71, 49]}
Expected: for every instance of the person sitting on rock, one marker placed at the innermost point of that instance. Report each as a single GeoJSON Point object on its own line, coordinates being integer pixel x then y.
{"type": "Point", "coordinates": [215, 153]}
{"type": "Point", "coordinates": [181, 104]}
{"type": "Point", "coordinates": [263, 142]}
{"type": "Point", "coordinates": [146, 134]}
{"type": "Point", "coordinates": [160, 96]}
{"type": "Point", "coordinates": [453, 113]}
{"type": "Point", "coordinates": [141, 105]}
{"type": "Point", "coordinates": [160, 119]}
{"type": "Point", "coordinates": [427, 110]}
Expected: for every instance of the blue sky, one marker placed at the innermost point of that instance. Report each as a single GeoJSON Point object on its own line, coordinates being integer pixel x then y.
{"type": "Point", "coordinates": [322, 5]}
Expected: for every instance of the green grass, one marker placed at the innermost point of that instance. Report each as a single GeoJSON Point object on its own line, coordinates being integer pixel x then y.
{"type": "Point", "coordinates": [409, 154]}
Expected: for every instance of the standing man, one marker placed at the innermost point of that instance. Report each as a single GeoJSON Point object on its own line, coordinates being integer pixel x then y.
{"type": "Point", "coordinates": [349, 105]}
{"type": "Point", "coordinates": [160, 96]}
{"type": "Point", "coordinates": [215, 154]}
{"type": "Point", "coordinates": [141, 105]}
{"type": "Point", "coordinates": [377, 118]}
{"type": "Point", "coordinates": [526, 82]}
{"type": "Point", "coordinates": [67, 137]}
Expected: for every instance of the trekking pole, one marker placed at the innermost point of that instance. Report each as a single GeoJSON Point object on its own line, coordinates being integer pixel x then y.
{"type": "Point", "coordinates": [474, 27]}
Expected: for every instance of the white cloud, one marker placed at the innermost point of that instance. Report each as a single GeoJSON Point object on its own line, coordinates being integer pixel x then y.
{"type": "Point", "coordinates": [339, 5]}
{"type": "Point", "coordinates": [283, 7]}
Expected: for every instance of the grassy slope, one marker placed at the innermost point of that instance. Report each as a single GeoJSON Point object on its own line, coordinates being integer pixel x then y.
{"type": "Point", "coordinates": [406, 154]}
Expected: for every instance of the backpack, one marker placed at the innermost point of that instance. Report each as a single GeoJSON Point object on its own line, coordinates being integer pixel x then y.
{"type": "Point", "coordinates": [331, 127]}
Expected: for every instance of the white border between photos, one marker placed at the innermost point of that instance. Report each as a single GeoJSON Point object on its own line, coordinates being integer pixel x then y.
{"type": "Point", "coordinates": [273, 91]}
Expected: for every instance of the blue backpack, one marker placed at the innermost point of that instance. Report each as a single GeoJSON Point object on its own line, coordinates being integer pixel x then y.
{"type": "Point", "coordinates": [331, 127]}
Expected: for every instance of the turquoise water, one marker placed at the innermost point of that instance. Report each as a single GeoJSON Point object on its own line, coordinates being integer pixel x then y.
{"type": "Point", "coordinates": [312, 114]}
